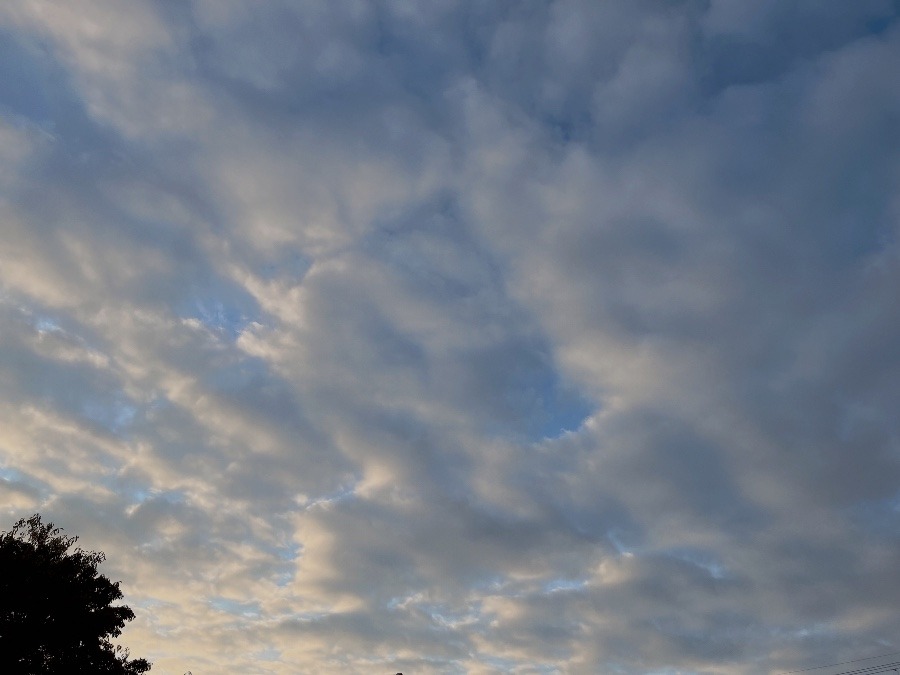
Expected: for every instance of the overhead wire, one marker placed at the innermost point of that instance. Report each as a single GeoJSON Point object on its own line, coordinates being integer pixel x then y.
{"type": "Point", "coordinates": [841, 663]}
{"type": "Point", "coordinates": [872, 670]}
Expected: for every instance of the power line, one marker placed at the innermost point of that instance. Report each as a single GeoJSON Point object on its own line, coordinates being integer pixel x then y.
{"type": "Point", "coordinates": [842, 663]}
{"type": "Point", "coordinates": [872, 670]}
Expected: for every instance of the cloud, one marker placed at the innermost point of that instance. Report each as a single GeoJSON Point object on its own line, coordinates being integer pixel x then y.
{"type": "Point", "coordinates": [521, 337]}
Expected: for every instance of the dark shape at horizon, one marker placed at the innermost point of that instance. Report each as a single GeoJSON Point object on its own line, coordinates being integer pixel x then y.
{"type": "Point", "coordinates": [56, 611]}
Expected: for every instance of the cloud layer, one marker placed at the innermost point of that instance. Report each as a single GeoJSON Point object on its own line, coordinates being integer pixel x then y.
{"type": "Point", "coordinates": [463, 337]}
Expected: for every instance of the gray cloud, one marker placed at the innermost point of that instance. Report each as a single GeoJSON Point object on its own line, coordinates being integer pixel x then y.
{"type": "Point", "coordinates": [506, 337]}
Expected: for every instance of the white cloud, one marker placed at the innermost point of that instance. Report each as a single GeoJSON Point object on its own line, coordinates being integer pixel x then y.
{"type": "Point", "coordinates": [552, 337]}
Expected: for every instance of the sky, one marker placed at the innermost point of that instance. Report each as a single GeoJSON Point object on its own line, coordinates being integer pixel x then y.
{"type": "Point", "coordinates": [460, 336]}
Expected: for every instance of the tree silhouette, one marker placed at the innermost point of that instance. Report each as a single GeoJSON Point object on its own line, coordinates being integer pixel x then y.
{"type": "Point", "coordinates": [56, 615]}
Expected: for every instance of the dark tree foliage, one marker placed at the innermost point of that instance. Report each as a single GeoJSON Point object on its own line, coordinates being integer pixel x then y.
{"type": "Point", "coordinates": [56, 612]}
